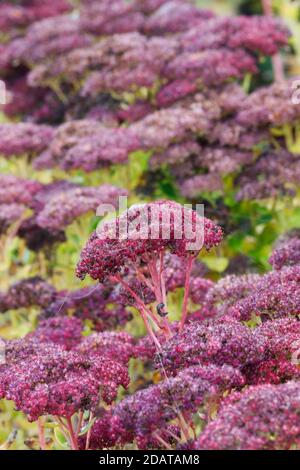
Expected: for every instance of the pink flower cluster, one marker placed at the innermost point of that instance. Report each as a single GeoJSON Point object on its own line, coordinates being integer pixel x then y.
{"type": "Point", "coordinates": [43, 376]}
{"type": "Point", "coordinates": [260, 418]}
{"type": "Point", "coordinates": [53, 206]}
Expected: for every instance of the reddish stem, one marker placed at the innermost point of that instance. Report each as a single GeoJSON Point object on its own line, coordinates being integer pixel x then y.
{"type": "Point", "coordinates": [146, 281]}
{"type": "Point", "coordinates": [183, 426]}
{"type": "Point", "coordinates": [88, 436]}
{"type": "Point", "coordinates": [160, 293]}
{"type": "Point", "coordinates": [150, 331]}
{"type": "Point", "coordinates": [162, 441]}
{"type": "Point", "coordinates": [171, 434]}
{"type": "Point", "coordinates": [138, 300]}
{"type": "Point", "coordinates": [72, 434]}
{"type": "Point", "coordinates": [144, 311]}
{"type": "Point", "coordinates": [156, 280]}
{"type": "Point", "coordinates": [41, 431]}
{"type": "Point", "coordinates": [162, 280]}
{"type": "Point", "coordinates": [80, 419]}
{"type": "Point", "coordinates": [189, 267]}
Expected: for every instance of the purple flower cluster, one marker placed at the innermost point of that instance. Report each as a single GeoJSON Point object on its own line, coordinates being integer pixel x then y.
{"type": "Point", "coordinates": [286, 251]}
{"type": "Point", "coordinates": [66, 206]}
{"type": "Point", "coordinates": [105, 255]}
{"type": "Point", "coordinates": [55, 206]}
{"type": "Point", "coordinates": [277, 294]}
{"type": "Point", "coordinates": [276, 365]}
{"type": "Point", "coordinates": [151, 230]}
{"type": "Point", "coordinates": [108, 344]}
{"type": "Point", "coordinates": [148, 412]}
{"type": "Point", "coordinates": [174, 16]}
{"type": "Point", "coordinates": [46, 379]}
{"type": "Point", "coordinates": [269, 106]}
{"type": "Point", "coordinates": [227, 291]}
{"type": "Point", "coordinates": [249, 297]}
{"type": "Point", "coordinates": [43, 39]}
{"type": "Point", "coordinates": [14, 190]}
{"type": "Point", "coordinates": [275, 176]}
{"type": "Point", "coordinates": [260, 418]}
{"type": "Point", "coordinates": [20, 14]}
{"type": "Point", "coordinates": [98, 84]}
{"type": "Point", "coordinates": [261, 34]}
{"type": "Point", "coordinates": [27, 293]}
{"type": "Point", "coordinates": [9, 214]}
{"type": "Point", "coordinates": [23, 138]}
{"type": "Point", "coordinates": [88, 145]}
{"type": "Point", "coordinates": [55, 371]}
{"type": "Point", "coordinates": [211, 343]}
{"type": "Point", "coordinates": [65, 331]}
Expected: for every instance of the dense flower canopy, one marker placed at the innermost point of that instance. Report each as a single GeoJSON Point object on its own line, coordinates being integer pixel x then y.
{"type": "Point", "coordinates": [43, 378]}
{"type": "Point", "coordinates": [261, 418]}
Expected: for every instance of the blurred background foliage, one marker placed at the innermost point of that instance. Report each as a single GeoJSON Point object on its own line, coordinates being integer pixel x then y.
{"type": "Point", "coordinates": [251, 227]}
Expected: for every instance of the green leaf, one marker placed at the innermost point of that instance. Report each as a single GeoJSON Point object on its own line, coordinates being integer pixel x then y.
{"type": "Point", "coordinates": [60, 438]}
{"type": "Point", "coordinates": [218, 264]}
{"type": "Point", "coordinates": [88, 426]}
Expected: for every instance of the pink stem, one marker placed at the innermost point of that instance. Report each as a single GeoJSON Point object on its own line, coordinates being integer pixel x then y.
{"type": "Point", "coordinates": [160, 296]}
{"type": "Point", "coordinates": [72, 434]}
{"type": "Point", "coordinates": [190, 423]}
{"type": "Point", "coordinates": [144, 311]}
{"type": "Point", "coordinates": [150, 331]}
{"type": "Point", "coordinates": [166, 322]}
{"type": "Point", "coordinates": [156, 281]}
{"type": "Point", "coordinates": [189, 267]}
{"type": "Point", "coordinates": [88, 436]}
{"type": "Point", "coordinates": [80, 419]}
{"type": "Point", "coordinates": [183, 426]}
{"type": "Point", "coordinates": [162, 441]}
{"type": "Point", "coordinates": [171, 434]}
{"type": "Point", "coordinates": [146, 281]}
{"type": "Point", "coordinates": [278, 69]}
{"type": "Point", "coordinates": [41, 432]}
{"type": "Point", "coordinates": [162, 280]}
